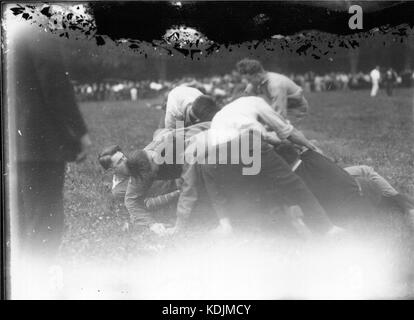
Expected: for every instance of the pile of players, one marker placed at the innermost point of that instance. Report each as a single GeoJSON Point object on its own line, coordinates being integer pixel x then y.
{"type": "Point", "coordinates": [244, 160]}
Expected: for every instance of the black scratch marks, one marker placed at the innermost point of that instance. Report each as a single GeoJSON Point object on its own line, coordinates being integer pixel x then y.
{"type": "Point", "coordinates": [18, 10]}
{"type": "Point", "coordinates": [99, 40]}
{"type": "Point", "coordinates": [196, 43]}
{"type": "Point", "coordinates": [46, 12]}
{"type": "Point", "coordinates": [304, 48]}
{"type": "Point", "coordinates": [61, 21]}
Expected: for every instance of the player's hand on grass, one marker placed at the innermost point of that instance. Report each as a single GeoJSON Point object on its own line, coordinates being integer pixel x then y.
{"type": "Point", "coordinates": [170, 231]}
{"type": "Point", "coordinates": [158, 228]}
{"type": "Point", "coordinates": [224, 228]}
{"type": "Point", "coordinates": [337, 232]}
{"type": "Point", "coordinates": [125, 227]}
{"type": "Point", "coordinates": [179, 182]}
{"type": "Point", "coordinates": [295, 215]}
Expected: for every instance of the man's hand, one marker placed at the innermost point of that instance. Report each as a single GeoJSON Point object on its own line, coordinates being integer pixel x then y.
{"type": "Point", "coordinates": [314, 147]}
{"type": "Point", "coordinates": [295, 214]}
{"type": "Point", "coordinates": [336, 233]}
{"type": "Point", "coordinates": [158, 229]}
{"type": "Point", "coordinates": [85, 143]}
{"type": "Point", "coordinates": [179, 182]}
{"type": "Point", "coordinates": [224, 228]}
{"type": "Point", "coordinates": [298, 138]}
{"type": "Point", "coordinates": [249, 90]}
{"type": "Point", "coordinates": [272, 138]}
{"type": "Point", "coordinates": [178, 228]}
{"type": "Point", "coordinates": [170, 231]}
{"type": "Point", "coordinates": [173, 231]}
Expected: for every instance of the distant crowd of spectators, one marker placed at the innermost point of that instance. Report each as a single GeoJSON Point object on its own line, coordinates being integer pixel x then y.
{"type": "Point", "coordinates": [222, 87]}
{"type": "Point", "coordinates": [218, 86]}
{"type": "Point", "coordinates": [117, 90]}
{"type": "Point", "coordinates": [311, 81]}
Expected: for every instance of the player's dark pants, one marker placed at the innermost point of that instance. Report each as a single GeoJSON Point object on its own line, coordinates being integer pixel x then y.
{"type": "Point", "coordinates": [337, 191]}
{"type": "Point", "coordinates": [40, 206]}
{"type": "Point", "coordinates": [226, 185]}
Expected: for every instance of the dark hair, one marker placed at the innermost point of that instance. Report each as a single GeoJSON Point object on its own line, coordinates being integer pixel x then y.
{"type": "Point", "coordinates": [138, 164]}
{"type": "Point", "coordinates": [104, 157]}
{"type": "Point", "coordinates": [249, 67]}
{"type": "Point", "coordinates": [204, 108]}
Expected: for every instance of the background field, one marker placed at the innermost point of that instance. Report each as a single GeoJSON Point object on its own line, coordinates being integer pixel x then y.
{"type": "Point", "coordinates": [350, 127]}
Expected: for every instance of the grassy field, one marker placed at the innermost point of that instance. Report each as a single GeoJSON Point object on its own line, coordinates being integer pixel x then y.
{"type": "Point", "coordinates": [350, 127]}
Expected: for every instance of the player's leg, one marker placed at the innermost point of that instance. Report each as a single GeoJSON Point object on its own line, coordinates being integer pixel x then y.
{"type": "Point", "coordinates": [404, 202]}
{"type": "Point", "coordinates": [277, 174]}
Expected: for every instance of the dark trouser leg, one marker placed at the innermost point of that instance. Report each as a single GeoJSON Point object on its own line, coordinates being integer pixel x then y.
{"type": "Point", "coordinates": [213, 177]}
{"type": "Point", "coordinates": [278, 177]}
{"type": "Point", "coordinates": [40, 203]}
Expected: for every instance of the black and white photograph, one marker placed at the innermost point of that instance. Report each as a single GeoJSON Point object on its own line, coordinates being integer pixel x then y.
{"type": "Point", "coordinates": [208, 150]}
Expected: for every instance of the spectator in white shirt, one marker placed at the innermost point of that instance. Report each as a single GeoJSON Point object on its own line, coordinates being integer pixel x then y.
{"type": "Point", "coordinates": [375, 79]}
{"type": "Point", "coordinates": [134, 93]}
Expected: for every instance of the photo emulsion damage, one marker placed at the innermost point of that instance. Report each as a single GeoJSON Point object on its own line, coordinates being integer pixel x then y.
{"type": "Point", "coordinates": [209, 150]}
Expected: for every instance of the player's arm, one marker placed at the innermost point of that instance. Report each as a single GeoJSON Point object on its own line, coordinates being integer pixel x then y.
{"type": "Point", "coordinates": [170, 119]}
{"type": "Point", "coordinates": [283, 129]}
{"type": "Point", "coordinates": [163, 200]}
{"type": "Point", "coordinates": [298, 138]}
{"type": "Point", "coordinates": [249, 90]}
{"type": "Point", "coordinates": [273, 120]}
{"type": "Point", "coordinates": [298, 106]}
{"type": "Point", "coordinates": [135, 199]}
{"type": "Point", "coordinates": [278, 99]}
{"type": "Point", "coordinates": [171, 115]}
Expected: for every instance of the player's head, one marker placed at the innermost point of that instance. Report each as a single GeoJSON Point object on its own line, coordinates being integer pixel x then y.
{"type": "Point", "coordinates": [112, 157]}
{"type": "Point", "coordinates": [203, 109]}
{"type": "Point", "coordinates": [250, 69]}
{"type": "Point", "coordinates": [139, 165]}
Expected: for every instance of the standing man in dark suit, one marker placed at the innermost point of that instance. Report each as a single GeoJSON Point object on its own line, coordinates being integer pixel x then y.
{"type": "Point", "coordinates": [46, 130]}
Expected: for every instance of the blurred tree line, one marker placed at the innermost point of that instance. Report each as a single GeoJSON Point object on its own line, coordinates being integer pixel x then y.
{"type": "Point", "coordinates": [88, 62]}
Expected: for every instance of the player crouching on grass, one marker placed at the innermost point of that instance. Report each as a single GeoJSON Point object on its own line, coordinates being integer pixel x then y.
{"type": "Point", "coordinates": [186, 108]}
{"type": "Point", "coordinates": [157, 198]}
{"type": "Point", "coordinates": [140, 172]}
{"type": "Point", "coordinates": [232, 125]}
{"type": "Point", "coordinates": [160, 199]}
{"type": "Point", "coordinates": [143, 168]}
